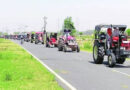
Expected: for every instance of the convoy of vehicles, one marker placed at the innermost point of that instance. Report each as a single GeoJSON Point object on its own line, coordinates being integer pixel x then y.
{"type": "Point", "coordinates": [110, 40]}
{"type": "Point", "coordinates": [113, 43]}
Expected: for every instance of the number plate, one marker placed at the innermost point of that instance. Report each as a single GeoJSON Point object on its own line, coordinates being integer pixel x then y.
{"type": "Point", "coordinates": [127, 52]}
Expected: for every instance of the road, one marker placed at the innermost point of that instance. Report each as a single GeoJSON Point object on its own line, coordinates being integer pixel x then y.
{"type": "Point", "coordinates": [80, 71]}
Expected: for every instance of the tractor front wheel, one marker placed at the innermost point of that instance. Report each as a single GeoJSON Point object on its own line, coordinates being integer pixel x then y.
{"type": "Point", "coordinates": [78, 49]}
{"type": "Point", "coordinates": [111, 60]}
{"type": "Point", "coordinates": [120, 60]}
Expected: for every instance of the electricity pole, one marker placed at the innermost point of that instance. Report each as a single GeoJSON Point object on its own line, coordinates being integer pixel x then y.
{"type": "Point", "coordinates": [44, 28]}
{"type": "Point", "coordinates": [45, 23]}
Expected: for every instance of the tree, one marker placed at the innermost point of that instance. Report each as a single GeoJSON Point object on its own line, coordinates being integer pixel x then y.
{"type": "Point", "coordinates": [128, 32]}
{"type": "Point", "coordinates": [69, 25]}
{"type": "Point", "coordinates": [80, 33]}
{"type": "Point", "coordinates": [16, 33]}
{"type": "Point", "coordinates": [1, 33]}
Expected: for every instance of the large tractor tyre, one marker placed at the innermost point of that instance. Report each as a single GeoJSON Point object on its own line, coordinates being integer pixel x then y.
{"type": "Point", "coordinates": [111, 60]}
{"type": "Point", "coordinates": [120, 60]}
{"type": "Point", "coordinates": [78, 49]}
{"type": "Point", "coordinates": [97, 54]}
{"type": "Point", "coordinates": [42, 42]}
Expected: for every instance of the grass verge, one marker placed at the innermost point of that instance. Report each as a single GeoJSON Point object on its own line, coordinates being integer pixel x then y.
{"type": "Point", "coordinates": [20, 71]}
{"type": "Point", "coordinates": [85, 42]}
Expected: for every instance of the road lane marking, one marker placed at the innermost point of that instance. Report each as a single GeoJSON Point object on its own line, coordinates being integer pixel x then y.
{"type": "Point", "coordinates": [121, 73]}
{"type": "Point", "coordinates": [53, 72]}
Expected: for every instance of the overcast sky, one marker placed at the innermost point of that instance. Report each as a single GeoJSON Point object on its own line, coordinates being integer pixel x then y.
{"type": "Point", "coordinates": [27, 14]}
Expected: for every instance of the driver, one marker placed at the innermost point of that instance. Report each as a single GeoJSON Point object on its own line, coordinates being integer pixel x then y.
{"type": "Point", "coordinates": [109, 34]}
{"type": "Point", "coordinates": [115, 32]}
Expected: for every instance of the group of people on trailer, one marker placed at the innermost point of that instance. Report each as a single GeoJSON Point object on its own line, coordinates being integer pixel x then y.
{"type": "Point", "coordinates": [112, 35]}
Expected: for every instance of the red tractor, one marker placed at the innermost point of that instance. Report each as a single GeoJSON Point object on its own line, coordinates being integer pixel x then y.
{"type": "Point", "coordinates": [51, 41]}
{"type": "Point", "coordinates": [68, 42]}
{"type": "Point", "coordinates": [113, 43]}
{"type": "Point", "coordinates": [39, 37]}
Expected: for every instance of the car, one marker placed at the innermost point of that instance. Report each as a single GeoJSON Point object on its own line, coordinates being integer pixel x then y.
{"type": "Point", "coordinates": [67, 42]}
{"type": "Point", "coordinates": [51, 40]}
{"type": "Point", "coordinates": [111, 42]}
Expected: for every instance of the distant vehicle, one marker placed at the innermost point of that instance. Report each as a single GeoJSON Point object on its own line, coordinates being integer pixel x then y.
{"type": "Point", "coordinates": [39, 37]}
{"type": "Point", "coordinates": [27, 37]}
{"type": "Point", "coordinates": [67, 42]}
{"type": "Point", "coordinates": [51, 41]}
{"type": "Point", "coordinates": [32, 37]}
{"type": "Point", "coordinates": [22, 39]}
{"type": "Point", "coordinates": [113, 43]}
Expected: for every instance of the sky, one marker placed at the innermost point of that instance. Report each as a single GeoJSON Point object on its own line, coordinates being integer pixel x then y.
{"type": "Point", "coordinates": [27, 15]}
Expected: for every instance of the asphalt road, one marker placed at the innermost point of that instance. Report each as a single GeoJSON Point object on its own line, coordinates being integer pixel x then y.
{"type": "Point", "coordinates": [80, 71]}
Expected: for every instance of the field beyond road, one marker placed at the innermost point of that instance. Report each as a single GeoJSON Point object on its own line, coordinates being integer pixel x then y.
{"type": "Point", "coordinates": [20, 71]}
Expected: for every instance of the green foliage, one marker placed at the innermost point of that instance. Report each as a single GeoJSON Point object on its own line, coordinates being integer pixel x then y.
{"type": "Point", "coordinates": [16, 33]}
{"type": "Point", "coordinates": [69, 25]}
{"type": "Point", "coordinates": [128, 32]}
{"type": "Point", "coordinates": [80, 33]}
{"type": "Point", "coordinates": [5, 33]}
{"type": "Point", "coordinates": [1, 33]}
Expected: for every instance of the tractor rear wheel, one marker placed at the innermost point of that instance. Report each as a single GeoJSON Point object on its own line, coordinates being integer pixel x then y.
{"type": "Point", "coordinates": [97, 54]}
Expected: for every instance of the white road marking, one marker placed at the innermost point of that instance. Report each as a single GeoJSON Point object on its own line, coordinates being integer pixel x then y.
{"type": "Point", "coordinates": [121, 73]}
{"type": "Point", "coordinates": [53, 72]}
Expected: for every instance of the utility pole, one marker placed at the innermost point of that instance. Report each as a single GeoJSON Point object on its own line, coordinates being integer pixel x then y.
{"type": "Point", "coordinates": [45, 23]}
{"type": "Point", "coordinates": [44, 28]}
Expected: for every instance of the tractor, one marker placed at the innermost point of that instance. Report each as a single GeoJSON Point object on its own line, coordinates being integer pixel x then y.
{"type": "Point", "coordinates": [67, 42]}
{"type": "Point", "coordinates": [111, 40]}
{"type": "Point", "coordinates": [39, 38]}
{"type": "Point", "coordinates": [51, 41]}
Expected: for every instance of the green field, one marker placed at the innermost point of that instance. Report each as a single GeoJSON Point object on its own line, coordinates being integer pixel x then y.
{"type": "Point", "coordinates": [20, 71]}
{"type": "Point", "coordinates": [85, 42]}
